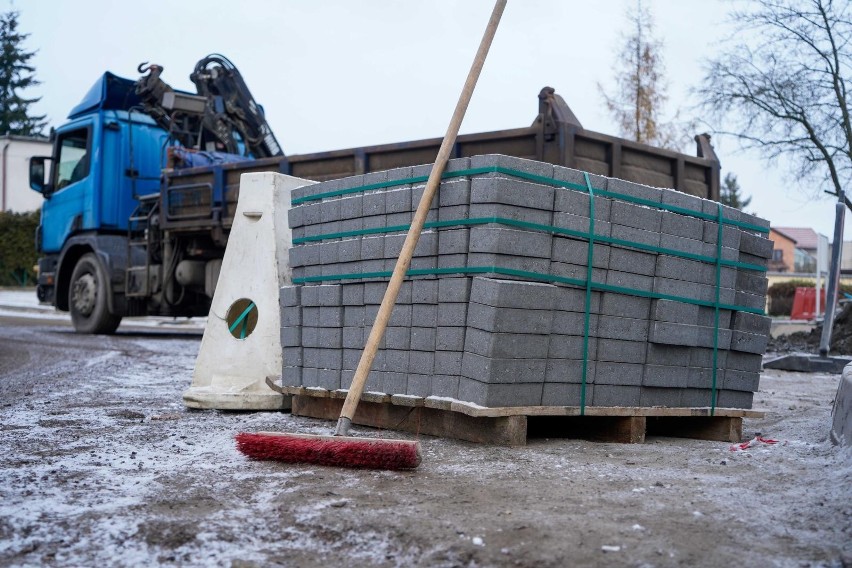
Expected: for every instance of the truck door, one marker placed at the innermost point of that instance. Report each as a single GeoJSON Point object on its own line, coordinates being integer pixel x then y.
{"type": "Point", "coordinates": [131, 150]}
{"type": "Point", "coordinates": [112, 188]}
{"type": "Point", "coordinates": [70, 205]}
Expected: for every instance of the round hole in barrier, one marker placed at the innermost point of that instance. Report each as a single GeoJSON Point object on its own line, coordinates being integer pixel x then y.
{"type": "Point", "coordinates": [242, 318]}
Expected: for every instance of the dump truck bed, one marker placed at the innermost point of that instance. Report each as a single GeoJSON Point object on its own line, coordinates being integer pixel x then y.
{"type": "Point", "coordinates": [206, 197]}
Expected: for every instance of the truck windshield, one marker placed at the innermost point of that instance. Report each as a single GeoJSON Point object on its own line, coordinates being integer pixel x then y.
{"type": "Point", "coordinates": [73, 163]}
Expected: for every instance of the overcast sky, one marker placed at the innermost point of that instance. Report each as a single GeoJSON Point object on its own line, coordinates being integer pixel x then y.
{"type": "Point", "coordinates": [335, 74]}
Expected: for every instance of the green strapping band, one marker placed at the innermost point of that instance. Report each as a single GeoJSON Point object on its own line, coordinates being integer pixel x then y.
{"type": "Point", "coordinates": [536, 178]}
{"type": "Point", "coordinates": [528, 275]}
{"type": "Point", "coordinates": [533, 227]}
{"type": "Point", "coordinates": [372, 186]}
{"type": "Point", "coordinates": [588, 302]}
{"type": "Point", "coordinates": [242, 319]}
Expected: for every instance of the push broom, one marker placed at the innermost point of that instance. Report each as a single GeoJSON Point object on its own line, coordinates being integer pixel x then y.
{"type": "Point", "coordinates": [341, 449]}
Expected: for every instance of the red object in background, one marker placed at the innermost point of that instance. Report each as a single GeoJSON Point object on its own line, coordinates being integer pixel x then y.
{"type": "Point", "coordinates": [804, 304]}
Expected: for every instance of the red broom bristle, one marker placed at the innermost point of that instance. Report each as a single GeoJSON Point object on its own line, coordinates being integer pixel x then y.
{"type": "Point", "coordinates": [331, 451]}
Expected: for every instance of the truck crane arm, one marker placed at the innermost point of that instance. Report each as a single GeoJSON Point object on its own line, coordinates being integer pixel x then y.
{"type": "Point", "coordinates": [230, 106]}
{"type": "Point", "coordinates": [222, 117]}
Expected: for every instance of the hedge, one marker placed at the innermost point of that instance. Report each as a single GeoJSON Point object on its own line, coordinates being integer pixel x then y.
{"type": "Point", "coordinates": [18, 254]}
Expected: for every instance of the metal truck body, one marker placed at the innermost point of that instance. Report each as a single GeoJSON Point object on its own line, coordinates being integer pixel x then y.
{"type": "Point", "coordinates": [126, 233]}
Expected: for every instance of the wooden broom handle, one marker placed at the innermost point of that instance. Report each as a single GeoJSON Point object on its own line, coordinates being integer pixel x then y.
{"type": "Point", "coordinates": [404, 260]}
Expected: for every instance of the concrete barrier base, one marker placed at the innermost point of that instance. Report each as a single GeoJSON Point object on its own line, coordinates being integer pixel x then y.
{"type": "Point", "coordinates": [224, 395]}
{"type": "Point", "coordinates": [804, 363]}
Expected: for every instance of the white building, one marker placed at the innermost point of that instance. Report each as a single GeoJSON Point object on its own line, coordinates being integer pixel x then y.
{"type": "Point", "coordinates": [846, 257]}
{"type": "Point", "coordinates": [15, 154]}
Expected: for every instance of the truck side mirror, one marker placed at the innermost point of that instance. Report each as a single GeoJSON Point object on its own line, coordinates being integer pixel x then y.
{"type": "Point", "coordinates": [38, 172]}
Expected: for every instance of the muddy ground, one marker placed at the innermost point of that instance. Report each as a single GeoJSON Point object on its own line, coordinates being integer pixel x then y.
{"type": "Point", "coordinates": [100, 464]}
{"type": "Point", "coordinates": [808, 341]}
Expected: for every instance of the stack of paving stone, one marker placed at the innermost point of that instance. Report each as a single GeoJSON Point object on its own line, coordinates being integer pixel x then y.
{"type": "Point", "coordinates": [496, 311]}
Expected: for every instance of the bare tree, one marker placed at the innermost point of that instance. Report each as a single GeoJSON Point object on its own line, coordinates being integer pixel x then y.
{"type": "Point", "coordinates": [641, 91]}
{"type": "Point", "coordinates": [782, 87]}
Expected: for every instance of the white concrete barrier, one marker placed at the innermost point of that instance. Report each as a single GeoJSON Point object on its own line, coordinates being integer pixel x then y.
{"type": "Point", "coordinates": [242, 340]}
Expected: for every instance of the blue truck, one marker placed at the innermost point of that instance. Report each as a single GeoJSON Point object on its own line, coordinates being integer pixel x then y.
{"type": "Point", "coordinates": [143, 180]}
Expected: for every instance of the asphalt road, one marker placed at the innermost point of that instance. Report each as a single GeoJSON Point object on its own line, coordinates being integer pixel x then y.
{"type": "Point", "coordinates": [29, 346]}
{"type": "Point", "coordinates": [102, 465]}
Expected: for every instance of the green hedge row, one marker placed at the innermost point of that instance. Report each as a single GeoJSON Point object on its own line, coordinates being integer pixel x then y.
{"type": "Point", "coordinates": [18, 254]}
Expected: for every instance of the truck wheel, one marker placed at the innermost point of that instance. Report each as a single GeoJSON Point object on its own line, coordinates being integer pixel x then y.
{"type": "Point", "coordinates": [87, 298]}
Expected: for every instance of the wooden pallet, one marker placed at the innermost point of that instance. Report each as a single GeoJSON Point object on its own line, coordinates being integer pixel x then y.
{"type": "Point", "coordinates": [512, 426]}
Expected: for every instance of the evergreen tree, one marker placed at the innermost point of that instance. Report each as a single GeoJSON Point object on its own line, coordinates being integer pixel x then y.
{"type": "Point", "coordinates": [729, 193]}
{"type": "Point", "coordinates": [16, 74]}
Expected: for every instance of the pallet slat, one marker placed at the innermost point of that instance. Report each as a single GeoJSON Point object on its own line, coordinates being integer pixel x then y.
{"type": "Point", "coordinates": [504, 430]}
{"type": "Point", "coordinates": [482, 411]}
{"type": "Point", "coordinates": [510, 426]}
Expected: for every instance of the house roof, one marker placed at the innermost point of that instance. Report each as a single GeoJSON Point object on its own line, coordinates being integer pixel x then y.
{"type": "Point", "coordinates": [782, 234]}
{"type": "Point", "coordinates": [805, 237]}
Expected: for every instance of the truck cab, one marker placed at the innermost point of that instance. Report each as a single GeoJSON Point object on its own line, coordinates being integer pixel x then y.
{"type": "Point", "coordinates": [105, 159]}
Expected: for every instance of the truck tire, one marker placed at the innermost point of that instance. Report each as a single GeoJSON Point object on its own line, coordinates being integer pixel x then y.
{"type": "Point", "coordinates": [88, 298]}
